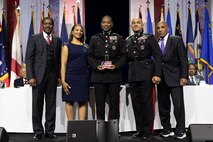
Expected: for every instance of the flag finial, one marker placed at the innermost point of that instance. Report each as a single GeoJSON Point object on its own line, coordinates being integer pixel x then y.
{"type": "Point", "coordinates": [147, 3]}
{"type": "Point", "coordinates": [178, 5]}
{"type": "Point", "coordinates": [189, 3]}
{"type": "Point", "coordinates": [48, 7]}
{"type": "Point", "coordinates": [43, 5]}
{"type": "Point", "coordinates": [32, 6]}
{"type": "Point", "coordinates": [77, 1]}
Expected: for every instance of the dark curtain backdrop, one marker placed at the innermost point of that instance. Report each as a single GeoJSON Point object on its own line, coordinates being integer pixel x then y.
{"type": "Point", "coordinates": [96, 9]}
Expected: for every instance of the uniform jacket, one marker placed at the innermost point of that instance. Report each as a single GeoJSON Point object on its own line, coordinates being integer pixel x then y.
{"type": "Point", "coordinates": [144, 56]}
{"type": "Point", "coordinates": [175, 61]}
{"type": "Point", "coordinates": [36, 56]}
{"type": "Point", "coordinates": [102, 48]}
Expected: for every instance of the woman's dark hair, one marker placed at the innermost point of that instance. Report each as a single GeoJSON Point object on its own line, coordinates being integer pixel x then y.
{"type": "Point", "coordinates": [82, 39]}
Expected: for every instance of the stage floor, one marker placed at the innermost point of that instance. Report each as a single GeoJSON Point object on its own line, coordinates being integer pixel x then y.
{"type": "Point", "coordinates": [125, 137]}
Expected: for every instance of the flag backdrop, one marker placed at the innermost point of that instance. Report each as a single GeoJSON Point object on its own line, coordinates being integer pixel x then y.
{"type": "Point", "coordinates": [207, 49]}
{"type": "Point", "coordinates": [168, 20]}
{"type": "Point", "coordinates": [78, 14]}
{"type": "Point", "coordinates": [4, 75]}
{"type": "Point", "coordinates": [178, 27]}
{"type": "Point", "coordinates": [149, 22]}
{"type": "Point", "coordinates": [31, 29]}
{"type": "Point", "coordinates": [42, 17]}
{"type": "Point", "coordinates": [74, 17]}
{"type": "Point", "coordinates": [162, 14]}
{"type": "Point", "coordinates": [64, 36]}
{"type": "Point", "coordinates": [139, 12]}
{"type": "Point", "coordinates": [16, 60]}
{"type": "Point", "coordinates": [190, 39]}
{"type": "Point", "coordinates": [197, 40]}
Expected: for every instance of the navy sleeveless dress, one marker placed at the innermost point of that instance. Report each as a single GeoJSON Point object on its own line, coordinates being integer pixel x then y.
{"type": "Point", "coordinates": [77, 75]}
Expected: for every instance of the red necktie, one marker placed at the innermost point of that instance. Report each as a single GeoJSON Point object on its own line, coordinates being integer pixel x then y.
{"type": "Point", "coordinates": [48, 39]}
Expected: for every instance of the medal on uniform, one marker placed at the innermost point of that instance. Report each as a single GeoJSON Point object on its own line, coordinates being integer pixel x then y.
{"type": "Point", "coordinates": [113, 39]}
{"type": "Point", "coordinates": [107, 45]}
{"type": "Point", "coordinates": [113, 47]}
{"type": "Point", "coordinates": [142, 47]}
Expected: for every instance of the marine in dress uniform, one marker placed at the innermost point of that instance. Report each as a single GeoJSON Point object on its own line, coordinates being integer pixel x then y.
{"type": "Point", "coordinates": [106, 59]}
{"type": "Point", "coordinates": [145, 59]}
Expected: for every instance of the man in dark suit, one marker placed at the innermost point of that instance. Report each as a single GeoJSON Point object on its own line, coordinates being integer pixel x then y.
{"type": "Point", "coordinates": [194, 78]}
{"type": "Point", "coordinates": [174, 77]}
{"type": "Point", "coordinates": [20, 82]}
{"type": "Point", "coordinates": [144, 58]}
{"type": "Point", "coordinates": [106, 60]}
{"type": "Point", "coordinates": [43, 57]}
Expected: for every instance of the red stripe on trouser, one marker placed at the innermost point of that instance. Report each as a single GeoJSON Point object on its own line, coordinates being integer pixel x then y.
{"type": "Point", "coordinates": [153, 103]}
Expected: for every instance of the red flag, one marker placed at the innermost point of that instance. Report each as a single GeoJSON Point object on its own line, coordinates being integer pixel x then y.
{"type": "Point", "coordinates": [42, 17]}
{"type": "Point", "coordinates": [16, 60]}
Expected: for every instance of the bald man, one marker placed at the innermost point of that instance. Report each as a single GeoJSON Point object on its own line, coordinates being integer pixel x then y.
{"type": "Point", "coordinates": [173, 78]}
{"type": "Point", "coordinates": [144, 59]}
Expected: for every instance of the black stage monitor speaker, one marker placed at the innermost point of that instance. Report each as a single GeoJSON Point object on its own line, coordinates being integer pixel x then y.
{"type": "Point", "coordinates": [81, 131]}
{"type": "Point", "coordinates": [107, 131]}
{"type": "Point", "coordinates": [200, 133]}
{"type": "Point", "coordinates": [3, 135]}
{"type": "Point", "coordinates": [92, 131]}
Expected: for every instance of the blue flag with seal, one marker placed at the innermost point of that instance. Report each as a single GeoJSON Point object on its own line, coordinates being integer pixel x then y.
{"type": "Point", "coordinates": [4, 75]}
{"type": "Point", "coordinates": [207, 49]}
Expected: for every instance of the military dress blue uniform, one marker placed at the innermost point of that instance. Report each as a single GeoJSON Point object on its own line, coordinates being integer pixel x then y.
{"type": "Point", "coordinates": [106, 46]}
{"type": "Point", "coordinates": [144, 59]}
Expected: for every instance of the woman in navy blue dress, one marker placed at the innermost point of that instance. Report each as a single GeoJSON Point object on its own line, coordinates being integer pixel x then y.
{"type": "Point", "coordinates": [74, 74]}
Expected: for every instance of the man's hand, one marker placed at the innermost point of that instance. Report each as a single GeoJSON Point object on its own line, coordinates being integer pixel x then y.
{"type": "Point", "coordinates": [100, 67]}
{"type": "Point", "coordinates": [112, 67]}
{"type": "Point", "coordinates": [183, 81]}
{"type": "Point", "coordinates": [32, 82]}
{"type": "Point", "coordinates": [59, 82]}
{"type": "Point", "coordinates": [156, 79]}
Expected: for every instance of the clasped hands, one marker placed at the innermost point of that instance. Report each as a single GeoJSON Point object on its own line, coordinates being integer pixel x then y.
{"type": "Point", "coordinates": [106, 65]}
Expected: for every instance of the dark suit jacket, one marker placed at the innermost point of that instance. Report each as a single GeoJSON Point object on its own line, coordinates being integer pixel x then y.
{"type": "Point", "coordinates": [36, 56]}
{"type": "Point", "coordinates": [175, 61]}
{"type": "Point", "coordinates": [198, 78]}
{"type": "Point", "coordinates": [18, 82]}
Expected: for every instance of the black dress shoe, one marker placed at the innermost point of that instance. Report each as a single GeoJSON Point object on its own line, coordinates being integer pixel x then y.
{"type": "Point", "coordinates": [52, 136]}
{"type": "Point", "coordinates": [146, 136]}
{"type": "Point", "coordinates": [37, 137]}
{"type": "Point", "coordinates": [137, 135]}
